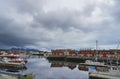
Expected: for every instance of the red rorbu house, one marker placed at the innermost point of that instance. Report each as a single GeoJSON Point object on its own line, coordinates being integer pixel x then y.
{"type": "Point", "coordinates": [68, 52]}
{"type": "Point", "coordinates": [115, 53]}
{"type": "Point", "coordinates": [98, 53]}
{"type": "Point", "coordinates": [104, 54]}
{"type": "Point", "coordinates": [86, 53]}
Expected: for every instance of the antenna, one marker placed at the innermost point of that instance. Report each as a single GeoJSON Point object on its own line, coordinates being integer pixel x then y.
{"type": "Point", "coordinates": [118, 45]}
{"type": "Point", "coordinates": [117, 48]}
{"type": "Point", "coordinates": [116, 53]}
{"type": "Point", "coordinates": [96, 50]}
{"type": "Point", "coordinates": [96, 44]}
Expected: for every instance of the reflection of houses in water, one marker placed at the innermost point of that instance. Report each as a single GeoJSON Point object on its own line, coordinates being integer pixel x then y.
{"type": "Point", "coordinates": [63, 64]}
{"type": "Point", "coordinates": [71, 66]}
{"type": "Point", "coordinates": [83, 68]}
{"type": "Point", "coordinates": [57, 64]}
{"type": "Point", "coordinates": [87, 68]}
{"type": "Point", "coordinates": [74, 65]}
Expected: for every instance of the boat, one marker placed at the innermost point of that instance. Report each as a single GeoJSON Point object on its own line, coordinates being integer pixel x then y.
{"type": "Point", "coordinates": [113, 72]}
{"type": "Point", "coordinates": [14, 58]}
{"type": "Point", "coordinates": [90, 62]}
{"type": "Point", "coordinates": [18, 60]}
{"type": "Point", "coordinates": [12, 61]}
{"type": "Point", "coordinates": [95, 62]}
{"type": "Point", "coordinates": [9, 55]}
{"type": "Point", "coordinates": [11, 65]}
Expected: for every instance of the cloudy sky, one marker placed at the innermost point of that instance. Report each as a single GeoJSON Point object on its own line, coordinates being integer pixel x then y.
{"type": "Point", "coordinates": [50, 24]}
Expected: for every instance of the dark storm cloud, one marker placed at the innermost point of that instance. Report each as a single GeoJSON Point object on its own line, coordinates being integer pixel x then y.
{"type": "Point", "coordinates": [12, 27]}
{"type": "Point", "coordinates": [12, 40]}
{"type": "Point", "coordinates": [9, 36]}
{"type": "Point", "coordinates": [54, 20]}
{"type": "Point", "coordinates": [58, 23]}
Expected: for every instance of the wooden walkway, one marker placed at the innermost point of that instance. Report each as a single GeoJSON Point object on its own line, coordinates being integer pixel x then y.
{"type": "Point", "coordinates": [103, 76]}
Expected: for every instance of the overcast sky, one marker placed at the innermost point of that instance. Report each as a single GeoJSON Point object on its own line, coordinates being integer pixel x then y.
{"type": "Point", "coordinates": [50, 24]}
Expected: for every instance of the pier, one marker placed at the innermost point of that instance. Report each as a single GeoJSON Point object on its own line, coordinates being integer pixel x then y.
{"type": "Point", "coordinates": [102, 76]}
{"type": "Point", "coordinates": [78, 58]}
{"type": "Point", "coordinates": [53, 57]}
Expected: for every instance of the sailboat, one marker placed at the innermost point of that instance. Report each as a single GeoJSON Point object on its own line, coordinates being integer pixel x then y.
{"type": "Point", "coordinates": [115, 70]}
{"type": "Point", "coordinates": [112, 73]}
{"type": "Point", "coordinates": [95, 62]}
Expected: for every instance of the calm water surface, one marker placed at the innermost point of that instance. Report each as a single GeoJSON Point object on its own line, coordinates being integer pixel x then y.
{"type": "Point", "coordinates": [42, 69]}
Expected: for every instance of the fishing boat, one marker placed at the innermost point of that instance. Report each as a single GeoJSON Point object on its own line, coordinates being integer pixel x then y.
{"type": "Point", "coordinates": [9, 55]}
{"type": "Point", "coordinates": [11, 65]}
{"type": "Point", "coordinates": [15, 60]}
{"type": "Point", "coordinates": [18, 60]}
{"type": "Point", "coordinates": [5, 62]}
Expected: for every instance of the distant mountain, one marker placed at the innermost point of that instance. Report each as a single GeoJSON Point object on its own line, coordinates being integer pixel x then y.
{"type": "Point", "coordinates": [27, 49]}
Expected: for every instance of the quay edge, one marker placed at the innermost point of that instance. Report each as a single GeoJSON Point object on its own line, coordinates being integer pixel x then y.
{"type": "Point", "coordinates": [76, 58]}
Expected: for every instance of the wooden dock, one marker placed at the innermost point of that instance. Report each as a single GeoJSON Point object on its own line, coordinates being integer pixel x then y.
{"type": "Point", "coordinates": [103, 75]}
{"type": "Point", "coordinates": [85, 64]}
{"type": "Point", "coordinates": [55, 57]}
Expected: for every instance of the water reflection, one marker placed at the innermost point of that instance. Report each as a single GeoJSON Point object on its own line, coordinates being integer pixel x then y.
{"type": "Point", "coordinates": [83, 68]}
{"type": "Point", "coordinates": [63, 64]}
{"type": "Point", "coordinates": [69, 65]}
{"type": "Point", "coordinates": [14, 73]}
{"type": "Point", "coordinates": [97, 72]}
{"type": "Point", "coordinates": [47, 69]}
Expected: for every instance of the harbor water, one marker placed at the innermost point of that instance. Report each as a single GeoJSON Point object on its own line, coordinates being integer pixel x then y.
{"type": "Point", "coordinates": [42, 69]}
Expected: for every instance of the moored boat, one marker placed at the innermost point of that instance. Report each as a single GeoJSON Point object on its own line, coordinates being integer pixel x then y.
{"type": "Point", "coordinates": [95, 61]}
{"type": "Point", "coordinates": [10, 55]}
{"type": "Point", "coordinates": [113, 72]}
{"type": "Point", "coordinates": [19, 60]}
{"type": "Point", "coordinates": [11, 65]}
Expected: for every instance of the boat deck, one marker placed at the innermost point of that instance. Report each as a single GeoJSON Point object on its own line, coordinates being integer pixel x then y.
{"type": "Point", "coordinates": [86, 64]}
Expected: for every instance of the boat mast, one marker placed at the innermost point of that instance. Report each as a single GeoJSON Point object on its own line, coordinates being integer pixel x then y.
{"type": "Point", "coordinates": [96, 51]}
{"type": "Point", "coordinates": [117, 54]}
